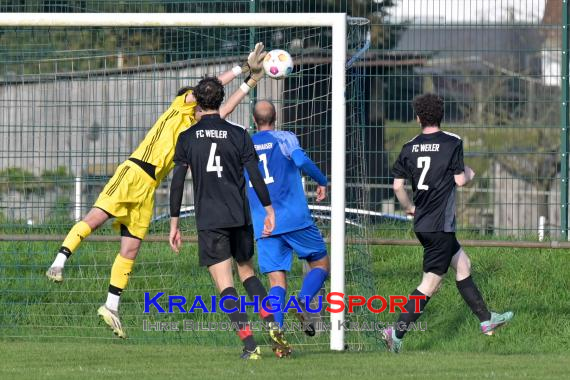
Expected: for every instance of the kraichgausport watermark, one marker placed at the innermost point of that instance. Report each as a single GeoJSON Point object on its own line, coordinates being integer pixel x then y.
{"type": "Point", "coordinates": [335, 304]}
{"type": "Point", "coordinates": [323, 326]}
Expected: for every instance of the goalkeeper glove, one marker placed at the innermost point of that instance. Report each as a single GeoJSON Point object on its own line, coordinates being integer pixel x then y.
{"type": "Point", "coordinates": [255, 65]}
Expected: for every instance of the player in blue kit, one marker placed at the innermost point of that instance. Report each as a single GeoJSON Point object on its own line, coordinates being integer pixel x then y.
{"type": "Point", "coordinates": [280, 159]}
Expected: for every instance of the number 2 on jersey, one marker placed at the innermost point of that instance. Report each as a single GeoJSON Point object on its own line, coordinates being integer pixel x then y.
{"type": "Point", "coordinates": [423, 163]}
{"type": "Point", "coordinates": [210, 167]}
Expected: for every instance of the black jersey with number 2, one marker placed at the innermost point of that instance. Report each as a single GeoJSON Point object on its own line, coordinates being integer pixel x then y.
{"type": "Point", "coordinates": [430, 161]}
{"type": "Point", "coordinates": [216, 152]}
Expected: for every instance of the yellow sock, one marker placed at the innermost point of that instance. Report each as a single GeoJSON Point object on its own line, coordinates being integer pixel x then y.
{"type": "Point", "coordinates": [77, 233]}
{"type": "Point", "coordinates": [120, 272]}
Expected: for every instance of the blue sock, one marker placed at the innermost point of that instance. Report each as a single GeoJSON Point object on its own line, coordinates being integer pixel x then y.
{"type": "Point", "coordinates": [279, 292]}
{"type": "Point", "coordinates": [312, 283]}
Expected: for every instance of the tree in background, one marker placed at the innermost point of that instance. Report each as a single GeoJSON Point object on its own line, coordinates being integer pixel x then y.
{"type": "Point", "coordinates": [63, 50]}
{"type": "Point", "coordinates": [382, 36]}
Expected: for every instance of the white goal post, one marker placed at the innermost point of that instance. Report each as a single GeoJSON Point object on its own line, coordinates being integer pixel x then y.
{"type": "Point", "coordinates": [336, 21]}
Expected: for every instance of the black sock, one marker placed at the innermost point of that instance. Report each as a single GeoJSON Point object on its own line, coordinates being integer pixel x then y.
{"type": "Point", "coordinates": [254, 287]}
{"type": "Point", "coordinates": [239, 319]}
{"type": "Point", "coordinates": [114, 290]}
{"type": "Point", "coordinates": [411, 316]}
{"type": "Point", "coordinates": [65, 251]}
{"type": "Point", "coordinates": [473, 298]}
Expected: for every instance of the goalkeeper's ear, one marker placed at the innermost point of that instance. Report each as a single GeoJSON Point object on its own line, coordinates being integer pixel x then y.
{"type": "Point", "coordinates": [189, 98]}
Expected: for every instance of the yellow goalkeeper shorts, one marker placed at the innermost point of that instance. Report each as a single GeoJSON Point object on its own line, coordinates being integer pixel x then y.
{"type": "Point", "coordinates": [129, 197]}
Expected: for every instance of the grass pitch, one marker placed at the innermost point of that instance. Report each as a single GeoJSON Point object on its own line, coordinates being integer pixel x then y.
{"type": "Point", "coordinates": [51, 331]}
{"type": "Point", "coordinates": [29, 360]}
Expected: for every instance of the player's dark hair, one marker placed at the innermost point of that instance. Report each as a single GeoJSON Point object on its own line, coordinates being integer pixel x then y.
{"type": "Point", "coordinates": [429, 108]}
{"type": "Point", "coordinates": [209, 93]}
{"type": "Point", "coordinates": [265, 118]}
{"type": "Point", "coordinates": [183, 90]}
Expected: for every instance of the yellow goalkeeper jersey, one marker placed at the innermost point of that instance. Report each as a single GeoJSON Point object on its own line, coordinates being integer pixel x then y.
{"type": "Point", "coordinates": [159, 144]}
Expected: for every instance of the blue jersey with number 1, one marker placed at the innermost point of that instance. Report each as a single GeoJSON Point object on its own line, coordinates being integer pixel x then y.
{"type": "Point", "coordinates": [275, 150]}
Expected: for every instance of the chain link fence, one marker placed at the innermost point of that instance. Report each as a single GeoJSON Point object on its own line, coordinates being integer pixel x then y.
{"type": "Point", "coordinates": [498, 64]}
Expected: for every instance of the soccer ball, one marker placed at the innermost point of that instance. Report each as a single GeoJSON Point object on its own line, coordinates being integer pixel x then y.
{"type": "Point", "coordinates": [278, 64]}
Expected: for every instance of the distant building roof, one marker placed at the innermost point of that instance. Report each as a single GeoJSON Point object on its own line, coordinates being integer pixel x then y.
{"type": "Point", "coordinates": [510, 46]}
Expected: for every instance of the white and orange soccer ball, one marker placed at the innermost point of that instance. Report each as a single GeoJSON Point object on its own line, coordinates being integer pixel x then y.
{"type": "Point", "coordinates": [278, 64]}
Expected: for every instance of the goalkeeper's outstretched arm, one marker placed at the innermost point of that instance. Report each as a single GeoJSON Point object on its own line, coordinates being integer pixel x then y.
{"type": "Point", "coordinates": [228, 76]}
{"type": "Point", "coordinates": [253, 66]}
{"type": "Point", "coordinates": [225, 77]}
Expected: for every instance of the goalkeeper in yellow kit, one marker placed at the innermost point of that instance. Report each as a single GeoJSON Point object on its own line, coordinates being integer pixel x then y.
{"type": "Point", "coordinates": [128, 197]}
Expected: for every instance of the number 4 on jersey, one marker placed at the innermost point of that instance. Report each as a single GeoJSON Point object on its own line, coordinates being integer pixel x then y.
{"type": "Point", "coordinates": [423, 163]}
{"type": "Point", "coordinates": [210, 167]}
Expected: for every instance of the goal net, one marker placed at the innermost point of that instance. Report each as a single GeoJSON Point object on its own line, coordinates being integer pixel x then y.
{"type": "Point", "coordinates": [76, 101]}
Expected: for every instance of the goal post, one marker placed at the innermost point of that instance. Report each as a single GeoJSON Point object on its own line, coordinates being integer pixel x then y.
{"type": "Point", "coordinates": [337, 23]}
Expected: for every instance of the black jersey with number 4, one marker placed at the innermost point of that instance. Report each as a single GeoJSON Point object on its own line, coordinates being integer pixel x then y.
{"type": "Point", "coordinates": [430, 161]}
{"type": "Point", "coordinates": [216, 152]}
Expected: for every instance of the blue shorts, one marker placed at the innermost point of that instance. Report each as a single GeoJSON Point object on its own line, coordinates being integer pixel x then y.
{"type": "Point", "coordinates": [276, 252]}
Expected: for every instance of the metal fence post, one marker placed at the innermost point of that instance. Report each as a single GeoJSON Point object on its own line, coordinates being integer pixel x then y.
{"type": "Point", "coordinates": [564, 135]}
{"type": "Point", "coordinates": [252, 41]}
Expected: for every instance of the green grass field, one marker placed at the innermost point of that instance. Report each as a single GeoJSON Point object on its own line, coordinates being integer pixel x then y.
{"type": "Point", "coordinates": [51, 331]}
{"type": "Point", "coordinates": [99, 361]}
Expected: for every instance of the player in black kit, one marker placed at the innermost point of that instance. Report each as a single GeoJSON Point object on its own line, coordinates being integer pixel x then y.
{"type": "Point", "coordinates": [433, 162]}
{"type": "Point", "coordinates": [217, 153]}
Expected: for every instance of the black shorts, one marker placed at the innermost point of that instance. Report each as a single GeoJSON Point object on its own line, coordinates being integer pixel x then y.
{"type": "Point", "coordinates": [439, 248]}
{"type": "Point", "coordinates": [217, 245]}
